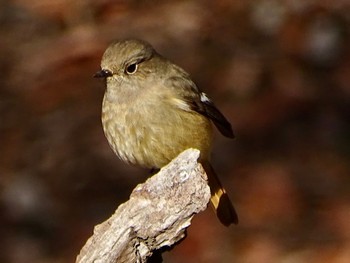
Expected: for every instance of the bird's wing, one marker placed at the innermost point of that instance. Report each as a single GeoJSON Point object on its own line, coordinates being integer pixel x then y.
{"type": "Point", "coordinates": [193, 99]}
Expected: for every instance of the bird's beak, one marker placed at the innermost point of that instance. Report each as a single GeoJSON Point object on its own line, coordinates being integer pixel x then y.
{"type": "Point", "coordinates": [103, 73]}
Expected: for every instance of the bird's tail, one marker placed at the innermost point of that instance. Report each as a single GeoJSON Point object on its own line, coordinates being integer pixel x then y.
{"type": "Point", "coordinates": [224, 209]}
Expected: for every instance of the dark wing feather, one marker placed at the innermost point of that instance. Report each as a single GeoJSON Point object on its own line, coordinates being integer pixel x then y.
{"type": "Point", "coordinates": [199, 102]}
{"type": "Point", "coordinates": [206, 107]}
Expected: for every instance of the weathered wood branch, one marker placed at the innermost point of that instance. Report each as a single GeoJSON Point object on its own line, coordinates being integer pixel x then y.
{"type": "Point", "coordinates": [156, 215]}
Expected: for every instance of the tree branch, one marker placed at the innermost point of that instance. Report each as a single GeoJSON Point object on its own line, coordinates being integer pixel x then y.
{"type": "Point", "coordinates": [155, 217]}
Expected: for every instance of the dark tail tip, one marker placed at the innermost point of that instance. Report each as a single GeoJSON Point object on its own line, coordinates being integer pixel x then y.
{"type": "Point", "coordinates": [225, 211]}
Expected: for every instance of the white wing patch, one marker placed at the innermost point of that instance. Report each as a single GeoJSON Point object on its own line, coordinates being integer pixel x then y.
{"type": "Point", "coordinates": [204, 97]}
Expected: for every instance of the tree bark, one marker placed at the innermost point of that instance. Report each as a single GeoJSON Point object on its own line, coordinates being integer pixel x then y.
{"type": "Point", "coordinates": [155, 217]}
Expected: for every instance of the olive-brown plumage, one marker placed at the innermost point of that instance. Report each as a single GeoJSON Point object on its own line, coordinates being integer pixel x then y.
{"type": "Point", "coordinates": [152, 111]}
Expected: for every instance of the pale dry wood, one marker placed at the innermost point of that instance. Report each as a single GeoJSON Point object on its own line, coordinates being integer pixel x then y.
{"type": "Point", "coordinates": [156, 215]}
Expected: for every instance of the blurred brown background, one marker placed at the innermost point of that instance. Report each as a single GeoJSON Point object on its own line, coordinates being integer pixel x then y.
{"type": "Point", "coordinates": [279, 70]}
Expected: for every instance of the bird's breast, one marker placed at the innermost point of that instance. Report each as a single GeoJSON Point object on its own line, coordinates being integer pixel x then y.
{"type": "Point", "coordinates": [152, 133]}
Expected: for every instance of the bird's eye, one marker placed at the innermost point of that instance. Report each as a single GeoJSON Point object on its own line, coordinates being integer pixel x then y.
{"type": "Point", "coordinates": [131, 69]}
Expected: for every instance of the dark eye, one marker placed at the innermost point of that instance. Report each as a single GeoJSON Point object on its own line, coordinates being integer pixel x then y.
{"type": "Point", "coordinates": [131, 69]}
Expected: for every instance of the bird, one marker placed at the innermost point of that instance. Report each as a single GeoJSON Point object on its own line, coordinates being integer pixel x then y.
{"type": "Point", "coordinates": [152, 111]}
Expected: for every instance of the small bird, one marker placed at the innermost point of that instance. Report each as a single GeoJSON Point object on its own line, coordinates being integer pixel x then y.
{"type": "Point", "coordinates": [152, 111]}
